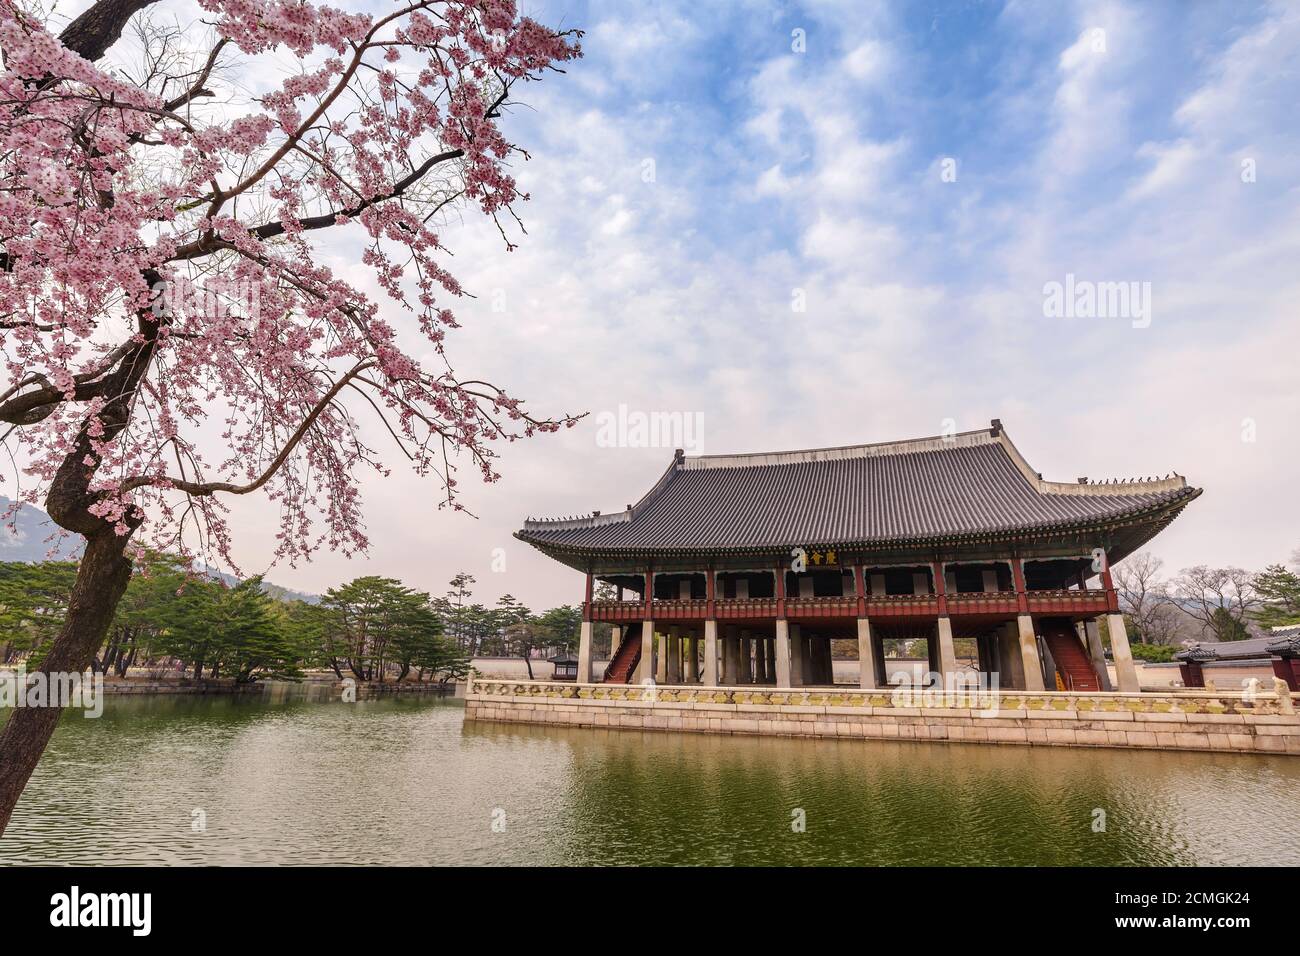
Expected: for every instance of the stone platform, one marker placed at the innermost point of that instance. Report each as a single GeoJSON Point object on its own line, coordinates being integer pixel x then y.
{"type": "Point", "coordinates": [1239, 722]}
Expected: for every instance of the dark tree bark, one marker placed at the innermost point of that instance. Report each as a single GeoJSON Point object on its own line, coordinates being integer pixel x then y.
{"type": "Point", "coordinates": [92, 33]}
{"type": "Point", "coordinates": [104, 571]}
{"type": "Point", "coordinates": [101, 582]}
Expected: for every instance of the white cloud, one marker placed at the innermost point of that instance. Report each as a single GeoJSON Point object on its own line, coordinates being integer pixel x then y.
{"type": "Point", "coordinates": [923, 300]}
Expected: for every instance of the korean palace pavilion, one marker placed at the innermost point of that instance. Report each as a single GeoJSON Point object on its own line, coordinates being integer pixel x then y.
{"type": "Point", "coordinates": [743, 569]}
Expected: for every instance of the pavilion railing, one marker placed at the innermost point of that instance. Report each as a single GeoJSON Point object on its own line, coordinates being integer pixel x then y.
{"type": "Point", "coordinates": [1073, 602]}
{"type": "Point", "coordinates": [693, 609]}
{"type": "Point", "coordinates": [902, 605]}
{"type": "Point", "coordinates": [736, 609]}
{"type": "Point", "coordinates": [615, 612]}
{"type": "Point", "coordinates": [846, 606]}
{"type": "Point", "coordinates": [1067, 602]}
{"type": "Point", "coordinates": [982, 602]}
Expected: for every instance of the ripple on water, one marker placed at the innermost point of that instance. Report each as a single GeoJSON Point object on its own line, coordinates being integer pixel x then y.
{"type": "Point", "coordinates": [408, 782]}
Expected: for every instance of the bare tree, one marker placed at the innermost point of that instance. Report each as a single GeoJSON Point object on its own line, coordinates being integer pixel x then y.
{"type": "Point", "coordinates": [1220, 598]}
{"type": "Point", "coordinates": [1142, 595]}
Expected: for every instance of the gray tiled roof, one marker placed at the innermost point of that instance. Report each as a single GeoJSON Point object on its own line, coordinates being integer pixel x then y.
{"type": "Point", "coordinates": [970, 484]}
{"type": "Point", "coordinates": [1253, 648]}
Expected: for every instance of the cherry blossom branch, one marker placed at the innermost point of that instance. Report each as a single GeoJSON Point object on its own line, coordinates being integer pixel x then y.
{"type": "Point", "coordinates": [203, 489]}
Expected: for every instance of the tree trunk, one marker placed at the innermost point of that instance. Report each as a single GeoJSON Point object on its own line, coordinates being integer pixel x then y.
{"type": "Point", "coordinates": [124, 664]}
{"type": "Point", "coordinates": [101, 582]}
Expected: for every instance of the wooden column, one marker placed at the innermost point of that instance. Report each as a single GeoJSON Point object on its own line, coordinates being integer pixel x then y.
{"type": "Point", "coordinates": [1112, 598]}
{"type": "Point", "coordinates": [780, 591]}
{"type": "Point", "coordinates": [940, 586]}
{"type": "Point", "coordinates": [1018, 580]}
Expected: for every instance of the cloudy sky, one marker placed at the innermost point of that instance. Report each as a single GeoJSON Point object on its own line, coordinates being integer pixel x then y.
{"type": "Point", "coordinates": [830, 223]}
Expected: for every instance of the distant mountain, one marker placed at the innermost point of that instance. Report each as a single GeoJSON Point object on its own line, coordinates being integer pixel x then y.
{"type": "Point", "coordinates": [32, 541]}
{"type": "Point", "coordinates": [270, 589]}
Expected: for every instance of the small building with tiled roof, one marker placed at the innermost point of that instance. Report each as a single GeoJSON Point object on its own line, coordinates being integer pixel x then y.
{"type": "Point", "coordinates": [954, 535]}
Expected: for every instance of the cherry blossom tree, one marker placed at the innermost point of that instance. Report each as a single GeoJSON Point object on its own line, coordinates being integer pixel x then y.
{"type": "Point", "coordinates": [169, 328]}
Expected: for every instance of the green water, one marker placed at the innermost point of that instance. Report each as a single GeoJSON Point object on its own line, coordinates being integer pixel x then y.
{"type": "Point", "coordinates": [410, 782]}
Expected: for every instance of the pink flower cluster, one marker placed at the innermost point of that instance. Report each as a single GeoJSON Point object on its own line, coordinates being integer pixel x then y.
{"type": "Point", "coordinates": [182, 243]}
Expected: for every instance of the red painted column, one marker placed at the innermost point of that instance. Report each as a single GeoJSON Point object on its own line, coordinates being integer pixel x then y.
{"type": "Point", "coordinates": [710, 583]}
{"type": "Point", "coordinates": [780, 591]}
{"type": "Point", "coordinates": [860, 588]}
{"type": "Point", "coordinates": [1112, 599]}
{"type": "Point", "coordinates": [940, 587]}
{"type": "Point", "coordinates": [586, 604]}
{"type": "Point", "coordinates": [1018, 579]}
{"type": "Point", "coordinates": [649, 593]}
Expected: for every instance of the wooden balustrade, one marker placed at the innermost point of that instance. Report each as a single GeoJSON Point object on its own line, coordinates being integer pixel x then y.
{"type": "Point", "coordinates": [1067, 603]}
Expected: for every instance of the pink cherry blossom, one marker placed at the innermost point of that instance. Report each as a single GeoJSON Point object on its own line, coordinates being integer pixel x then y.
{"type": "Point", "coordinates": [169, 332]}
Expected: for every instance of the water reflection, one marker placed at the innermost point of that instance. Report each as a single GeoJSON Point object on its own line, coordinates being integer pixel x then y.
{"type": "Point", "coordinates": [288, 780]}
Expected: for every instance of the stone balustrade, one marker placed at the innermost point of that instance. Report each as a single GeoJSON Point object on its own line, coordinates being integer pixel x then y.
{"type": "Point", "coordinates": [1263, 722]}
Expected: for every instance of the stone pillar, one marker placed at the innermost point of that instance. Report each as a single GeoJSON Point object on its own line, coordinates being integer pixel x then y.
{"type": "Point", "coordinates": [807, 666]}
{"type": "Point", "coordinates": [731, 658]}
{"type": "Point", "coordinates": [866, 654]}
{"type": "Point", "coordinates": [946, 653]}
{"type": "Point", "coordinates": [796, 656]}
{"type": "Point", "coordinates": [661, 659]}
{"type": "Point", "coordinates": [1125, 672]}
{"type": "Point", "coordinates": [646, 667]}
{"type": "Point", "coordinates": [1097, 654]}
{"type": "Point", "coordinates": [584, 653]}
{"type": "Point", "coordinates": [1013, 665]}
{"type": "Point", "coordinates": [1033, 668]}
{"type": "Point", "coordinates": [615, 639]}
{"type": "Point", "coordinates": [746, 658]}
{"type": "Point", "coordinates": [771, 660]}
{"type": "Point", "coordinates": [783, 653]}
{"type": "Point", "coordinates": [760, 660]}
{"type": "Point", "coordinates": [711, 653]}
{"type": "Point", "coordinates": [674, 668]}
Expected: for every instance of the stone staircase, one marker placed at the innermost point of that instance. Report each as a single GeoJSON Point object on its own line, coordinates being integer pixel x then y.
{"type": "Point", "coordinates": [1072, 661]}
{"type": "Point", "coordinates": [623, 665]}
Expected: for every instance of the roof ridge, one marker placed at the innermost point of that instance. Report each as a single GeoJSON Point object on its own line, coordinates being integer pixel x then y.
{"type": "Point", "coordinates": [904, 446]}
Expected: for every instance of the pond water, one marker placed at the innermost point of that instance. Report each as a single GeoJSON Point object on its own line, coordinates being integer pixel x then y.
{"type": "Point", "coordinates": [189, 780]}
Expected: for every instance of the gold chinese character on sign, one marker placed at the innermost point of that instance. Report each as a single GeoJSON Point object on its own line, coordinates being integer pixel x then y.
{"type": "Point", "coordinates": [816, 557]}
{"type": "Point", "coordinates": [830, 557]}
